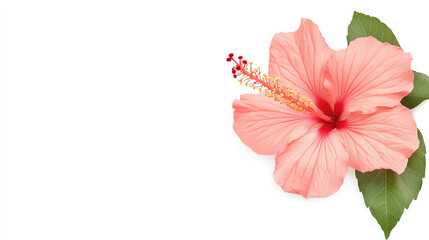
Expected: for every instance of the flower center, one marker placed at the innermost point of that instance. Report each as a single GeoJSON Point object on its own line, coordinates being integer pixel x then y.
{"type": "Point", "coordinates": [273, 88]}
{"type": "Point", "coordinates": [335, 115]}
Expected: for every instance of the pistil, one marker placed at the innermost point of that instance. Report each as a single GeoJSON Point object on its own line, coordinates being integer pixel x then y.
{"type": "Point", "coordinates": [273, 88]}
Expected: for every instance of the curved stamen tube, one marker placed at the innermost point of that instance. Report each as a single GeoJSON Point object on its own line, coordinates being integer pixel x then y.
{"type": "Point", "coordinates": [273, 88]}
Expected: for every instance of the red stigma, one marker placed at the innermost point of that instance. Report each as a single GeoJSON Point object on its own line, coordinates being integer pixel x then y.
{"type": "Point", "coordinates": [240, 67]}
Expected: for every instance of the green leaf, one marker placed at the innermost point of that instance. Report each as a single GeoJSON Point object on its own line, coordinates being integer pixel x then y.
{"type": "Point", "coordinates": [386, 193]}
{"type": "Point", "coordinates": [420, 91]}
{"type": "Point", "coordinates": [364, 26]}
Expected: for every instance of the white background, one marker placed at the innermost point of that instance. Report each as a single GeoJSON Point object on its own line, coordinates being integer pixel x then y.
{"type": "Point", "coordinates": [117, 122]}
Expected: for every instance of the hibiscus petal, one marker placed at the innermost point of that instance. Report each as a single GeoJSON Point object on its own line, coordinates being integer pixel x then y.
{"type": "Point", "coordinates": [383, 139]}
{"type": "Point", "coordinates": [314, 165]}
{"type": "Point", "coordinates": [369, 74]}
{"type": "Point", "coordinates": [299, 59]}
{"type": "Point", "coordinates": [267, 126]}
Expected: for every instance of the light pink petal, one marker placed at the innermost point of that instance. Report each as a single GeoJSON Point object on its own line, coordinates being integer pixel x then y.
{"type": "Point", "coordinates": [299, 58]}
{"type": "Point", "coordinates": [312, 166]}
{"type": "Point", "coordinates": [369, 74]}
{"type": "Point", "coordinates": [267, 126]}
{"type": "Point", "coordinates": [383, 139]}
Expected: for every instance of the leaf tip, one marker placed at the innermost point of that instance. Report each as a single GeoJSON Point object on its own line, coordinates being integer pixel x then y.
{"type": "Point", "coordinates": [387, 234]}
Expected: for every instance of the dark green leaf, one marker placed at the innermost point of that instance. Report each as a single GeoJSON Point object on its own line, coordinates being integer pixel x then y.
{"type": "Point", "coordinates": [386, 193]}
{"type": "Point", "coordinates": [420, 91]}
{"type": "Point", "coordinates": [364, 26]}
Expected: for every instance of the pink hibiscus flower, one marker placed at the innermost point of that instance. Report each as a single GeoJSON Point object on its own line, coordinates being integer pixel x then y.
{"type": "Point", "coordinates": [351, 114]}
